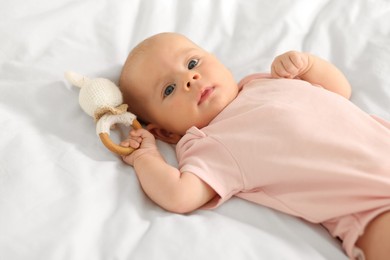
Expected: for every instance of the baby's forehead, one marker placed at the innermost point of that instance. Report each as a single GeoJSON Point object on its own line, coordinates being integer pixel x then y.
{"type": "Point", "coordinates": [167, 43]}
{"type": "Point", "coordinates": [158, 41]}
{"type": "Point", "coordinates": [155, 50]}
{"type": "Point", "coordinates": [166, 37]}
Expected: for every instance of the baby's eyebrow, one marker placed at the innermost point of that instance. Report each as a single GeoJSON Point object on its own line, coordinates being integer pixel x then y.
{"type": "Point", "coordinates": [188, 51]}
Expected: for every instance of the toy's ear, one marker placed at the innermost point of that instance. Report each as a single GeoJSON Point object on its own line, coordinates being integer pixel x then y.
{"type": "Point", "coordinates": [76, 79]}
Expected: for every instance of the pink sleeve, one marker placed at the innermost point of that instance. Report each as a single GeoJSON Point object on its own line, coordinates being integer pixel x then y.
{"type": "Point", "coordinates": [251, 77]}
{"type": "Point", "coordinates": [211, 162]}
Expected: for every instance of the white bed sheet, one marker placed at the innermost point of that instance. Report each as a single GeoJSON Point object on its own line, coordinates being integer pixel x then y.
{"type": "Point", "coordinates": [64, 196]}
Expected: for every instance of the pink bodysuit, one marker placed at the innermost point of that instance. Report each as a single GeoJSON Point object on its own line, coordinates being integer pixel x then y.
{"type": "Point", "coordinates": [299, 149]}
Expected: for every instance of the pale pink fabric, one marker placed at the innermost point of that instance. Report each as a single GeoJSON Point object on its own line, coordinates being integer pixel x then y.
{"type": "Point", "coordinates": [298, 149]}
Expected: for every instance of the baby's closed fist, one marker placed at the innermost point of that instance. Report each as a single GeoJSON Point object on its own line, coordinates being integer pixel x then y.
{"type": "Point", "coordinates": [289, 65]}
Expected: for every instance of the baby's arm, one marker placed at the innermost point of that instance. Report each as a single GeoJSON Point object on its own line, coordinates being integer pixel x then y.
{"type": "Point", "coordinates": [164, 184]}
{"type": "Point", "coordinates": [311, 68]}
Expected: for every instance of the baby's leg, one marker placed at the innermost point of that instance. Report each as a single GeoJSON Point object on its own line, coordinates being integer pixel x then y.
{"type": "Point", "coordinates": [375, 241]}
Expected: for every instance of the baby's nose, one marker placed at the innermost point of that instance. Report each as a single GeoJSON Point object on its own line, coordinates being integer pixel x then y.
{"type": "Point", "coordinates": [196, 76]}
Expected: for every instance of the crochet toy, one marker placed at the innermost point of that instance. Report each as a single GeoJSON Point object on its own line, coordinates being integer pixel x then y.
{"type": "Point", "coordinates": [102, 99]}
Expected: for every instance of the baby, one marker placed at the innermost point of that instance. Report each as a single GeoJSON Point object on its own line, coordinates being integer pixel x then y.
{"type": "Point", "coordinates": [291, 140]}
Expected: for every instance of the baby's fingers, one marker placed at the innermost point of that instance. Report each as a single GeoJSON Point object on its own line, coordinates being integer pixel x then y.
{"type": "Point", "coordinates": [132, 141]}
{"type": "Point", "coordinates": [296, 58]}
{"type": "Point", "coordinates": [288, 65]}
{"type": "Point", "coordinates": [282, 68]}
{"type": "Point", "coordinates": [278, 71]}
{"type": "Point", "coordinates": [290, 69]}
{"type": "Point", "coordinates": [135, 143]}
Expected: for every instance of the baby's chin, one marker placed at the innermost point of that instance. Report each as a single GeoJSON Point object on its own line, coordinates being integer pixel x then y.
{"type": "Point", "coordinates": [205, 122]}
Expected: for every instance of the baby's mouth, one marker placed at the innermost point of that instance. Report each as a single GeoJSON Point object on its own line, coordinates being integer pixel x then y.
{"type": "Point", "coordinates": [205, 94]}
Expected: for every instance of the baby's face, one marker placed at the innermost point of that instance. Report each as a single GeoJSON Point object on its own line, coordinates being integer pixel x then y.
{"type": "Point", "coordinates": [185, 85]}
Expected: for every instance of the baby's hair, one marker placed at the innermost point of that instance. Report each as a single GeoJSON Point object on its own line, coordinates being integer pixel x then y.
{"type": "Point", "coordinates": [136, 104]}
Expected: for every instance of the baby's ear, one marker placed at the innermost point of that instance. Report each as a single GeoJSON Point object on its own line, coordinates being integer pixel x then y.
{"type": "Point", "coordinates": [163, 134]}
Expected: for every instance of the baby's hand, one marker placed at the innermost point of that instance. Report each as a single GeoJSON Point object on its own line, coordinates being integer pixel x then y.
{"type": "Point", "coordinates": [289, 65]}
{"type": "Point", "coordinates": [143, 141]}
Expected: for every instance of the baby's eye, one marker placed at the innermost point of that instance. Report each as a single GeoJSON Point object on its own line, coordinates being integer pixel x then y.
{"type": "Point", "coordinates": [169, 89]}
{"type": "Point", "coordinates": [192, 64]}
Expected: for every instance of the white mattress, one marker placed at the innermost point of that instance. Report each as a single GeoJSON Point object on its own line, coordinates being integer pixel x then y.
{"type": "Point", "coordinates": [64, 196]}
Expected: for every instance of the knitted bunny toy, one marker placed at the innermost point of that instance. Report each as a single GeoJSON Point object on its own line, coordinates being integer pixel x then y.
{"type": "Point", "coordinates": [102, 99]}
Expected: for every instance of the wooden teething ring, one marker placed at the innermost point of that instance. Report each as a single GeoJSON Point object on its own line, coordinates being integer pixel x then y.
{"type": "Point", "coordinates": [103, 130]}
